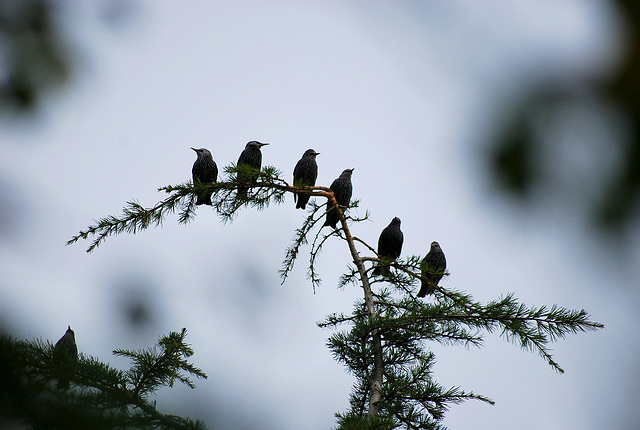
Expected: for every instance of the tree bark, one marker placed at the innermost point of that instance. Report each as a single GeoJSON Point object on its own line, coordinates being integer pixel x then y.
{"type": "Point", "coordinates": [378, 364]}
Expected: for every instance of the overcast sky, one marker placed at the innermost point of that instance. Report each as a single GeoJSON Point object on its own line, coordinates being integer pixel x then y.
{"type": "Point", "coordinates": [407, 93]}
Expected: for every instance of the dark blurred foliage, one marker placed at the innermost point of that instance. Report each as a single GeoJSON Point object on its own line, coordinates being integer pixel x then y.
{"type": "Point", "coordinates": [33, 55]}
{"type": "Point", "coordinates": [99, 396]}
{"type": "Point", "coordinates": [624, 89]}
{"type": "Point", "coordinates": [35, 60]}
{"type": "Point", "coordinates": [136, 302]}
{"type": "Point", "coordinates": [514, 156]}
{"type": "Point", "coordinates": [119, 14]}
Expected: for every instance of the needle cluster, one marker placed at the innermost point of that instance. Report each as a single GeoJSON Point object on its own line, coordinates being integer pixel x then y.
{"type": "Point", "coordinates": [385, 344]}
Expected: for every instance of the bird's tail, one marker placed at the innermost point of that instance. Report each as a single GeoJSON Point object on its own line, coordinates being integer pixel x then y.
{"type": "Point", "coordinates": [244, 181]}
{"type": "Point", "coordinates": [302, 201]}
{"type": "Point", "coordinates": [204, 199]}
{"type": "Point", "coordinates": [332, 217]}
{"type": "Point", "coordinates": [62, 374]}
{"type": "Point", "coordinates": [330, 222]}
{"type": "Point", "coordinates": [424, 289]}
{"type": "Point", "coordinates": [242, 194]}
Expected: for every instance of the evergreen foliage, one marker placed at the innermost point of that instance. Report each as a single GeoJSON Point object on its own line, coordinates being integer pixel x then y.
{"type": "Point", "coordinates": [99, 396]}
{"type": "Point", "coordinates": [385, 346]}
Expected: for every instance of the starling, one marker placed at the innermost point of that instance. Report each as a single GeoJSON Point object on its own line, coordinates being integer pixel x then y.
{"type": "Point", "coordinates": [65, 354]}
{"type": "Point", "coordinates": [342, 190]}
{"type": "Point", "coordinates": [389, 245]}
{"type": "Point", "coordinates": [252, 157]}
{"type": "Point", "coordinates": [305, 173]}
{"type": "Point", "coordinates": [204, 171]}
{"type": "Point", "coordinates": [431, 269]}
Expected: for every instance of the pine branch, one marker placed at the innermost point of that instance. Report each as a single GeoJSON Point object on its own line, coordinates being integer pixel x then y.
{"type": "Point", "coordinates": [389, 327]}
{"type": "Point", "coordinates": [153, 368]}
{"type": "Point", "coordinates": [532, 328]}
{"type": "Point", "coordinates": [406, 324]}
{"type": "Point", "coordinates": [300, 239]}
{"type": "Point", "coordinates": [316, 248]}
{"type": "Point", "coordinates": [268, 188]}
{"type": "Point", "coordinates": [135, 218]}
{"type": "Point", "coordinates": [365, 243]}
{"type": "Point", "coordinates": [98, 397]}
{"type": "Point", "coordinates": [376, 378]}
{"type": "Point", "coordinates": [333, 320]}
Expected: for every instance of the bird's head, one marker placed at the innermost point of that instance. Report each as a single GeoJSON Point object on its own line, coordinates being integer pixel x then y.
{"type": "Point", "coordinates": [310, 153]}
{"type": "Point", "coordinates": [435, 246]}
{"type": "Point", "coordinates": [395, 220]}
{"type": "Point", "coordinates": [255, 144]}
{"type": "Point", "coordinates": [202, 152]}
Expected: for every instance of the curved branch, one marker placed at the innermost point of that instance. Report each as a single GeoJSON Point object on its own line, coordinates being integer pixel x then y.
{"type": "Point", "coordinates": [375, 384]}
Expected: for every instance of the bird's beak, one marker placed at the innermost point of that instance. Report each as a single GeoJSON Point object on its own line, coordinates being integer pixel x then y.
{"type": "Point", "coordinates": [263, 144]}
{"type": "Point", "coordinates": [195, 149]}
{"type": "Point", "coordinates": [317, 153]}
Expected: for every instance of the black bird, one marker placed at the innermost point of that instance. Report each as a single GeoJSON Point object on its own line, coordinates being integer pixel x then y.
{"type": "Point", "coordinates": [431, 269]}
{"type": "Point", "coordinates": [252, 157]}
{"type": "Point", "coordinates": [342, 190]}
{"type": "Point", "coordinates": [204, 171]}
{"type": "Point", "coordinates": [389, 245]}
{"type": "Point", "coordinates": [305, 173]}
{"type": "Point", "coordinates": [65, 354]}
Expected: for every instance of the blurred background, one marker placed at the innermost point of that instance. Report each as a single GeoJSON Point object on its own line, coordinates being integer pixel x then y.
{"type": "Point", "coordinates": [508, 132]}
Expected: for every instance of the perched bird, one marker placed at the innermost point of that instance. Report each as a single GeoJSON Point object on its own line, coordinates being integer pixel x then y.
{"type": "Point", "coordinates": [342, 190]}
{"type": "Point", "coordinates": [389, 245]}
{"type": "Point", "coordinates": [431, 269]}
{"type": "Point", "coordinates": [252, 157]}
{"type": "Point", "coordinates": [305, 173]}
{"type": "Point", "coordinates": [204, 171]}
{"type": "Point", "coordinates": [65, 354]}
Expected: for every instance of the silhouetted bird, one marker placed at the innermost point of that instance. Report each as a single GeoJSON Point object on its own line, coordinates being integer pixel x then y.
{"type": "Point", "coordinates": [432, 268]}
{"type": "Point", "coordinates": [305, 173]}
{"type": "Point", "coordinates": [252, 157]}
{"type": "Point", "coordinates": [389, 245]}
{"type": "Point", "coordinates": [204, 171]}
{"type": "Point", "coordinates": [342, 190]}
{"type": "Point", "coordinates": [65, 354]}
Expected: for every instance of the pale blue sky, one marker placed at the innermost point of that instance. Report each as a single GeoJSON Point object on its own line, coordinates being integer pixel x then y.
{"type": "Point", "coordinates": [406, 93]}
